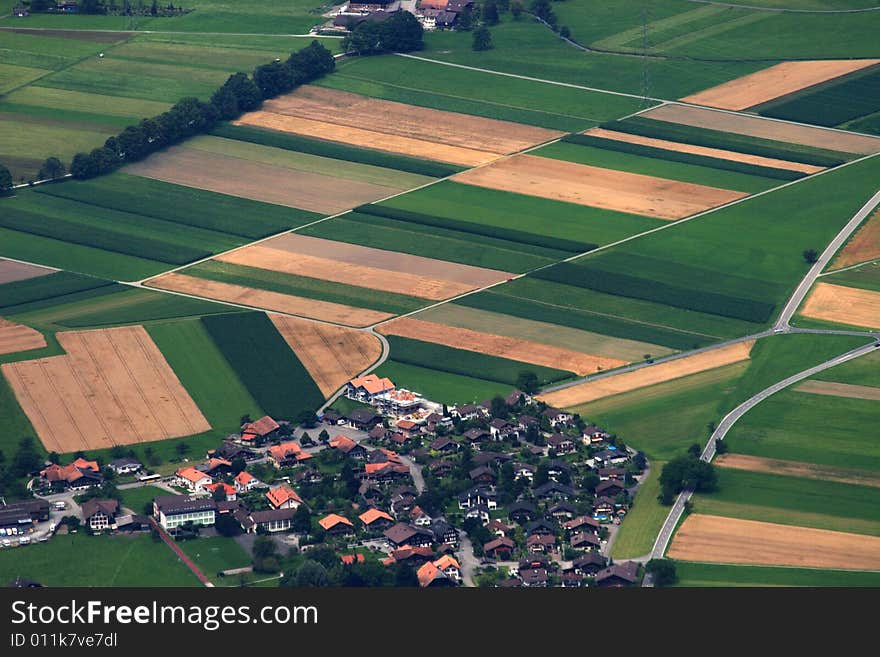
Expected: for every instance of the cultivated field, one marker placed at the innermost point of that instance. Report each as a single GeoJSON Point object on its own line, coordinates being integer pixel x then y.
{"type": "Point", "coordinates": [18, 337]}
{"type": "Point", "coordinates": [255, 298]}
{"type": "Point", "coordinates": [332, 355]}
{"type": "Point", "coordinates": [646, 376]}
{"type": "Point", "coordinates": [863, 246]}
{"type": "Point", "coordinates": [839, 389]}
{"type": "Point", "coordinates": [773, 82]}
{"type": "Point", "coordinates": [603, 188]}
{"type": "Point", "coordinates": [846, 305]}
{"type": "Point", "coordinates": [113, 387]}
{"type": "Point", "coordinates": [728, 540]}
{"type": "Point", "coordinates": [798, 469]}
{"type": "Point", "coordinates": [497, 345]}
{"type": "Point", "coordinates": [764, 128]}
{"type": "Point", "coordinates": [11, 271]}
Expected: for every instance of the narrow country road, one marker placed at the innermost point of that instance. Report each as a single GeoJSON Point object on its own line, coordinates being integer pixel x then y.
{"type": "Point", "coordinates": [415, 472]}
{"type": "Point", "coordinates": [467, 560]}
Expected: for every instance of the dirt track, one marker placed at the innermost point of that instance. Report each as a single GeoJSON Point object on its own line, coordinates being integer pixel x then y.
{"type": "Point", "coordinates": [646, 376]}
{"type": "Point", "coordinates": [260, 182]}
{"type": "Point", "coordinates": [798, 469]}
{"type": "Point", "coordinates": [847, 305]}
{"type": "Point", "coordinates": [497, 345]}
{"type": "Point", "coordinates": [730, 540]}
{"type": "Point", "coordinates": [864, 245]}
{"type": "Point", "coordinates": [765, 128]}
{"type": "Point", "coordinates": [332, 355]}
{"type": "Point", "coordinates": [774, 82]}
{"type": "Point", "coordinates": [839, 390]}
{"type": "Point", "coordinates": [18, 337]}
{"type": "Point", "coordinates": [18, 271]}
{"type": "Point", "coordinates": [113, 387]}
{"type": "Point", "coordinates": [597, 187]}
{"type": "Point", "coordinates": [733, 156]}
{"type": "Point", "coordinates": [285, 303]}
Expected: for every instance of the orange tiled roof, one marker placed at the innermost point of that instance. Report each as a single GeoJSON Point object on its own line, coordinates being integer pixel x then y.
{"type": "Point", "coordinates": [82, 464]}
{"type": "Point", "coordinates": [229, 490]}
{"type": "Point", "coordinates": [192, 475]}
{"type": "Point", "coordinates": [349, 559]}
{"type": "Point", "coordinates": [244, 478]}
{"type": "Point", "coordinates": [330, 521]}
{"type": "Point", "coordinates": [280, 495]}
{"type": "Point", "coordinates": [446, 561]}
{"type": "Point", "coordinates": [407, 424]}
{"type": "Point", "coordinates": [282, 451]}
{"type": "Point", "coordinates": [372, 383]}
{"type": "Point", "coordinates": [427, 573]}
{"type": "Point", "coordinates": [372, 515]}
{"type": "Point", "coordinates": [343, 443]}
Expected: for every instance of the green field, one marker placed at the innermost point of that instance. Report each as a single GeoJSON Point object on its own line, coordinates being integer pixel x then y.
{"type": "Point", "coordinates": [16, 422]}
{"type": "Point", "coordinates": [302, 286]}
{"type": "Point", "coordinates": [865, 276]}
{"type": "Point", "coordinates": [267, 367]}
{"type": "Point", "coordinates": [706, 574]}
{"type": "Point", "coordinates": [214, 554]}
{"type": "Point", "coordinates": [442, 387]}
{"type": "Point", "coordinates": [19, 296]}
{"type": "Point", "coordinates": [861, 371]}
{"type": "Point", "coordinates": [640, 527]}
{"type": "Point", "coordinates": [96, 561]}
{"type": "Point", "coordinates": [136, 499]}
{"type": "Point", "coordinates": [205, 373]}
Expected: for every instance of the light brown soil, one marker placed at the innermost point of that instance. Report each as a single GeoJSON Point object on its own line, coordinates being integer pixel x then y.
{"type": "Point", "coordinates": [332, 355]}
{"type": "Point", "coordinates": [864, 245]}
{"type": "Point", "coordinates": [765, 128]}
{"type": "Point", "coordinates": [733, 156]}
{"type": "Point", "coordinates": [647, 376]}
{"type": "Point", "coordinates": [18, 337]}
{"type": "Point", "coordinates": [729, 540]}
{"type": "Point", "coordinates": [450, 128]}
{"type": "Point", "coordinates": [368, 138]}
{"type": "Point", "coordinates": [344, 272]}
{"type": "Point", "coordinates": [113, 387]}
{"type": "Point", "coordinates": [18, 271]}
{"type": "Point", "coordinates": [847, 305]}
{"type": "Point", "coordinates": [392, 261]}
{"type": "Point", "coordinates": [261, 182]}
{"type": "Point", "coordinates": [285, 303]}
{"type": "Point", "coordinates": [597, 187]}
{"type": "Point", "coordinates": [498, 345]}
{"type": "Point", "coordinates": [774, 82]}
{"type": "Point", "coordinates": [798, 469]}
{"type": "Point", "coordinates": [839, 390]}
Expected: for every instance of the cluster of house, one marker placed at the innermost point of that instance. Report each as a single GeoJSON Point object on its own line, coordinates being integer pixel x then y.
{"type": "Point", "coordinates": [432, 14]}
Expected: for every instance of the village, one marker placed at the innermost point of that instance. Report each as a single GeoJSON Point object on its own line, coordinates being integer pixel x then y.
{"type": "Point", "coordinates": [507, 492]}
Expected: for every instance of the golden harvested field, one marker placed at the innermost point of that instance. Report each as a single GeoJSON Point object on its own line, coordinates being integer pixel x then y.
{"type": "Point", "coordinates": [774, 82]}
{"type": "Point", "coordinates": [730, 540]}
{"type": "Point", "coordinates": [863, 246]}
{"type": "Point", "coordinates": [733, 156]}
{"type": "Point", "coordinates": [798, 469]}
{"type": "Point", "coordinates": [260, 182]}
{"type": "Point", "coordinates": [333, 355]}
{"type": "Point", "coordinates": [597, 187]}
{"type": "Point", "coordinates": [847, 305]}
{"type": "Point", "coordinates": [839, 390]}
{"type": "Point", "coordinates": [18, 337]}
{"type": "Point", "coordinates": [114, 387]}
{"type": "Point", "coordinates": [765, 128]}
{"type": "Point", "coordinates": [18, 271]}
{"type": "Point", "coordinates": [266, 300]}
{"type": "Point", "coordinates": [647, 376]}
{"type": "Point", "coordinates": [329, 269]}
{"type": "Point", "coordinates": [497, 345]}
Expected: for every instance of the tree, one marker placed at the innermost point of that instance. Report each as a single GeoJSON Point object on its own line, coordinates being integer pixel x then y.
{"type": "Point", "coordinates": [181, 447]}
{"type": "Point", "coordinates": [302, 519]}
{"type": "Point", "coordinates": [219, 494]}
{"type": "Point", "coordinates": [90, 7]}
{"type": "Point", "coordinates": [482, 39]}
{"type": "Point", "coordinates": [527, 381]}
{"type": "Point", "coordinates": [811, 256]}
{"type": "Point", "coordinates": [26, 460]}
{"type": "Point", "coordinates": [52, 169]}
{"type": "Point", "coordinates": [238, 465]}
{"type": "Point", "coordinates": [324, 437]}
{"type": "Point", "coordinates": [40, 5]}
{"type": "Point", "coordinates": [400, 33]}
{"type": "Point", "coordinates": [405, 575]}
{"type": "Point", "coordinates": [564, 32]}
{"type": "Point", "coordinates": [590, 481]}
{"type": "Point", "coordinates": [312, 574]}
{"type": "Point", "coordinates": [490, 12]}
{"type": "Point", "coordinates": [686, 473]}
{"type": "Point", "coordinates": [245, 90]}
{"type": "Point", "coordinates": [54, 457]}
{"type": "Point", "coordinates": [720, 446]}
{"type": "Point", "coordinates": [465, 20]}
{"type": "Point", "coordinates": [311, 62]}
{"type": "Point", "coordinates": [695, 450]}
{"type": "Point", "coordinates": [543, 10]}
{"type": "Point", "coordinates": [663, 571]}
{"type": "Point", "coordinates": [516, 9]}
{"type": "Point", "coordinates": [498, 407]}
{"type": "Point", "coordinates": [226, 103]}
{"type": "Point", "coordinates": [5, 180]}
{"type": "Point", "coordinates": [273, 79]}
{"type": "Point", "coordinates": [226, 525]}
{"type": "Point", "coordinates": [307, 419]}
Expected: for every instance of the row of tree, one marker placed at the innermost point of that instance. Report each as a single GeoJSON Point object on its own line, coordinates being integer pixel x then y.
{"type": "Point", "coordinates": [402, 32]}
{"type": "Point", "coordinates": [190, 116]}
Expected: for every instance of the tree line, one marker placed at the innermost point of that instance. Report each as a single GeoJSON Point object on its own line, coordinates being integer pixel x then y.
{"type": "Point", "coordinates": [190, 116]}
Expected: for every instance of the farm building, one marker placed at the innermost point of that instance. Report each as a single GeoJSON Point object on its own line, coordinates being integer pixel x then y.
{"type": "Point", "coordinates": [283, 497]}
{"type": "Point", "coordinates": [365, 388]}
{"type": "Point", "coordinates": [78, 475]}
{"type": "Point", "coordinates": [191, 479]}
{"type": "Point", "coordinates": [263, 429]}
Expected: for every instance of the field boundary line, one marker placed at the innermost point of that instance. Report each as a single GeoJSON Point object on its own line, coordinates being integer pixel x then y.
{"type": "Point", "coordinates": [785, 10]}
{"type": "Point", "coordinates": [847, 268]}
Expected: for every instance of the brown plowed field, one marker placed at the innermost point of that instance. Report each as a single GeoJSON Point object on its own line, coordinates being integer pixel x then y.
{"type": "Point", "coordinates": [839, 390]}
{"type": "Point", "coordinates": [18, 337]}
{"type": "Point", "coordinates": [730, 540]}
{"type": "Point", "coordinates": [113, 387]}
{"type": "Point", "coordinates": [391, 261]}
{"type": "Point", "coordinates": [498, 345]}
{"type": "Point", "coordinates": [647, 376]}
{"type": "Point", "coordinates": [847, 305]}
{"type": "Point", "coordinates": [597, 187]}
{"type": "Point", "coordinates": [864, 245]}
{"type": "Point", "coordinates": [18, 271]}
{"type": "Point", "coordinates": [364, 138]}
{"type": "Point", "coordinates": [765, 128]}
{"type": "Point", "coordinates": [798, 469]}
{"type": "Point", "coordinates": [719, 153]}
{"type": "Point", "coordinates": [332, 355]}
{"type": "Point", "coordinates": [329, 269]}
{"type": "Point", "coordinates": [261, 182]}
{"type": "Point", "coordinates": [285, 303]}
{"type": "Point", "coordinates": [774, 82]}
{"type": "Point", "coordinates": [450, 128]}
